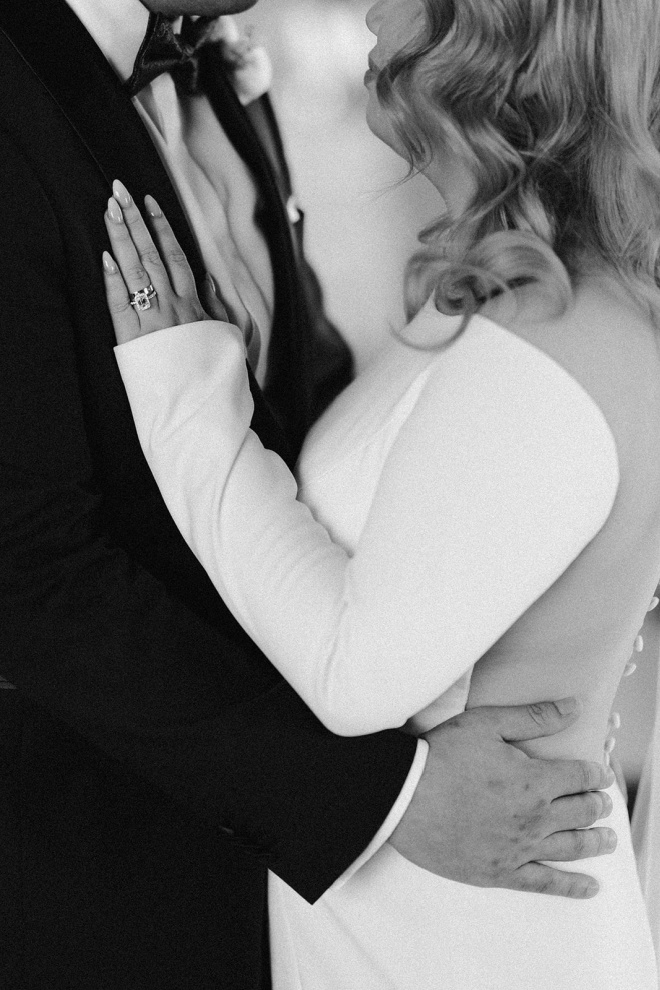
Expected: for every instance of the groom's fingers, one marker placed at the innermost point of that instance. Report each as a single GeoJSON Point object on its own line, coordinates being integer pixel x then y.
{"type": "Point", "coordinates": [579, 811]}
{"type": "Point", "coordinates": [565, 847]}
{"type": "Point", "coordinates": [515, 723]}
{"type": "Point", "coordinates": [561, 778]}
{"type": "Point", "coordinates": [539, 879]}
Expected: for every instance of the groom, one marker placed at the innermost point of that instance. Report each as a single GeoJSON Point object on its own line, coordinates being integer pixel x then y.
{"type": "Point", "coordinates": [152, 762]}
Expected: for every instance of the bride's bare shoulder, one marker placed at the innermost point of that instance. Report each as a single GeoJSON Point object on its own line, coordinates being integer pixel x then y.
{"type": "Point", "coordinates": [602, 310]}
{"type": "Point", "coordinates": [605, 339]}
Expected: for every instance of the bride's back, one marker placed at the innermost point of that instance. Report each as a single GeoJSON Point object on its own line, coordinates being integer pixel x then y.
{"type": "Point", "coordinates": [578, 637]}
{"type": "Point", "coordinates": [538, 124]}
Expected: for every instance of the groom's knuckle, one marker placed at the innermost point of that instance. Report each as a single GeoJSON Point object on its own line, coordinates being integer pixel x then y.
{"type": "Point", "coordinates": [548, 884]}
{"type": "Point", "coordinates": [594, 774]}
{"type": "Point", "coordinates": [531, 829]}
{"type": "Point", "coordinates": [601, 841]}
{"type": "Point", "coordinates": [568, 887]}
{"type": "Point", "coordinates": [578, 887]}
{"type": "Point", "coordinates": [586, 811]}
{"type": "Point", "coordinates": [594, 807]}
{"type": "Point", "coordinates": [536, 819]}
{"type": "Point", "coordinates": [545, 883]}
{"type": "Point", "coordinates": [580, 842]}
{"type": "Point", "coordinates": [583, 777]}
{"type": "Point", "coordinates": [539, 714]}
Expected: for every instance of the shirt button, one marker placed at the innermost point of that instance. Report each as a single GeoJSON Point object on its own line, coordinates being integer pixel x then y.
{"type": "Point", "coordinates": [292, 210]}
{"type": "Point", "coordinates": [615, 721]}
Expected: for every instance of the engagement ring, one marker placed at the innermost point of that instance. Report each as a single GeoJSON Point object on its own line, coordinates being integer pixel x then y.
{"type": "Point", "coordinates": [141, 299]}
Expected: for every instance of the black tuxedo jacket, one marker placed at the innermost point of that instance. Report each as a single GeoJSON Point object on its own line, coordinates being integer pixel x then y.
{"type": "Point", "coordinates": [152, 762]}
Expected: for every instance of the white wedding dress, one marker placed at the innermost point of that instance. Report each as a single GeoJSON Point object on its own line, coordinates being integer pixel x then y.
{"type": "Point", "coordinates": [479, 509]}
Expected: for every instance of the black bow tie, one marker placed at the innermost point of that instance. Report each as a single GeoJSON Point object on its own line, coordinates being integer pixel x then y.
{"type": "Point", "coordinates": [164, 51]}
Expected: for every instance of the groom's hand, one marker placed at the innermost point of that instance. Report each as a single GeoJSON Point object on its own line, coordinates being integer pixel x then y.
{"type": "Point", "coordinates": [484, 813]}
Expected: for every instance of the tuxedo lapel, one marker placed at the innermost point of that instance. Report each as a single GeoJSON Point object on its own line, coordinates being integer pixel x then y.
{"type": "Point", "coordinates": [308, 363]}
{"type": "Point", "coordinates": [286, 342]}
{"type": "Point", "coordinates": [61, 53]}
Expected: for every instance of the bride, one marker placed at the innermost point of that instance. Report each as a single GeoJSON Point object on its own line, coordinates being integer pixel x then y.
{"type": "Point", "coordinates": [477, 517]}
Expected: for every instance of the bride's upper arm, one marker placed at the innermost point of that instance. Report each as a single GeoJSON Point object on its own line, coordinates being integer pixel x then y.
{"type": "Point", "coordinates": [504, 472]}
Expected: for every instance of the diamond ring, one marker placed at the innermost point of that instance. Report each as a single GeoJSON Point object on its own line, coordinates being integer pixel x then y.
{"type": "Point", "coordinates": [141, 299]}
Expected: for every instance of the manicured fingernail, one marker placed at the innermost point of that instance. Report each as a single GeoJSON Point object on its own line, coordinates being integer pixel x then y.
{"type": "Point", "coordinates": [108, 263]}
{"type": "Point", "coordinates": [121, 193]}
{"type": "Point", "coordinates": [114, 211]}
{"type": "Point", "coordinates": [610, 776]}
{"type": "Point", "coordinates": [211, 281]}
{"type": "Point", "coordinates": [153, 209]}
{"type": "Point", "coordinates": [591, 889]}
{"type": "Point", "coordinates": [566, 706]}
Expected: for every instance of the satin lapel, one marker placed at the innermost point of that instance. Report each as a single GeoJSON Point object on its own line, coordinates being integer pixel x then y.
{"type": "Point", "coordinates": [241, 133]}
{"type": "Point", "coordinates": [287, 343]}
{"type": "Point", "coordinates": [60, 52]}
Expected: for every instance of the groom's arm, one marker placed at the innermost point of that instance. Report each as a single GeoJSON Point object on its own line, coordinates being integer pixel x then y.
{"type": "Point", "coordinates": [93, 637]}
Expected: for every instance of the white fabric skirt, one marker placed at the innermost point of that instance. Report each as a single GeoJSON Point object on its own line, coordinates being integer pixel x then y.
{"type": "Point", "coordinates": [393, 926]}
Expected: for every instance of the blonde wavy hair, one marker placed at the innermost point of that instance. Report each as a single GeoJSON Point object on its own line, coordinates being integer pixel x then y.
{"type": "Point", "coordinates": [554, 107]}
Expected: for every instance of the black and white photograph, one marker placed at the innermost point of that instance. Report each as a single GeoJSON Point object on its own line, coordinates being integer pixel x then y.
{"type": "Point", "coordinates": [330, 494]}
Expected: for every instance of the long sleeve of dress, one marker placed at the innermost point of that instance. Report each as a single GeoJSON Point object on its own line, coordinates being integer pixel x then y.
{"type": "Point", "coordinates": [502, 473]}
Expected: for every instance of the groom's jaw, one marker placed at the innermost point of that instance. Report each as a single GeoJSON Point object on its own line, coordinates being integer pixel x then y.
{"type": "Point", "coordinates": [205, 8]}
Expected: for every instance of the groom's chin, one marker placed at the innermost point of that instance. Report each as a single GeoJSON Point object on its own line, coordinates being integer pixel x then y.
{"type": "Point", "coordinates": [206, 8]}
